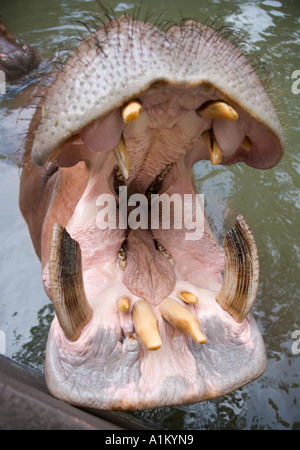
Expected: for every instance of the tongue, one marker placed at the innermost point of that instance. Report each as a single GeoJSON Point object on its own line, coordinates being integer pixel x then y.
{"type": "Point", "coordinates": [148, 273]}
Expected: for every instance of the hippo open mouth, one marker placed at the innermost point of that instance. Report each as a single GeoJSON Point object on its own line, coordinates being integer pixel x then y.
{"type": "Point", "coordinates": [144, 316]}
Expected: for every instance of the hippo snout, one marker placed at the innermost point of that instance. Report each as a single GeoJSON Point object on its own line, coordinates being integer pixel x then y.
{"type": "Point", "coordinates": [150, 310]}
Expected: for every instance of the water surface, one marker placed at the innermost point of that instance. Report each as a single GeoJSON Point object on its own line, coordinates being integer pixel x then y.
{"type": "Point", "coordinates": [269, 200]}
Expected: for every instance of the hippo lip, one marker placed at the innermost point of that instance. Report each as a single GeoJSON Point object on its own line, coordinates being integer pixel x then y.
{"type": "Point", "coordinates": [134, 329]}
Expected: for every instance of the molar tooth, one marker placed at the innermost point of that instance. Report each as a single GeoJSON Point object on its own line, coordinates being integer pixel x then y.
{"type": "Point", "coordinates": [123, 304]}
{"type": "Point", "coordinates": [70, 303]}
{"type": "Point", "coordinates": [187, 297]}
{"type": "Point", "coordinates": [180, 317]}
{"type": "Point", "coordinates": [164, 252]}
{"type": "Point", "coordinates": [122, 259]}
{"type": "Point", "coordinates": [246, 144]}
{"type": "Point", "coordinates": [131, 111]}
{"type": "Point", "coordinates": [217, 110]}
{"type": "Point", "coordinates": [239, 288]}
{"type": "Point", "coordinates": [146, 324]}
{"type": "Point", "coordinates": [122, 157]}
{"type": "Point", "coordinates": [213, 147]}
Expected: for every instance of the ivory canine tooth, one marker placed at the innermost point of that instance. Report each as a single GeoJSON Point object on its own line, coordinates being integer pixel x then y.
{"type": "Point", "coordinates": [146, 324]}
{"type": "Point", "coordinates": [131, 111]}
{"type": "Point", "coordinates": [239, 288]}
{"type": "Point", "coordinates": [181, 318]}
{"type": "Point", "coordinates": [70, 303]}
{"type": "Point", "coordinates": [211, 143]}
{"type": "Point", "coordinates": [123, 304]}
{"type": "Point", "coordinates": [187, 297]}
{"type": "Point", "coordinates": [246, 144]}
{"type": "Point", "coordinates": [122, 156]}
{"type": "Point", "coordinates": [217, 110]}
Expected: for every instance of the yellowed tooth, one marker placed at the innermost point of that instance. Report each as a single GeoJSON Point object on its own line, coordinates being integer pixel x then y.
{"type": "Point", "coordinates": [215, 151]}
{"type": "Point", "coordinates": [246, 144]}
{"type": "Point", "coordinates": [146, 324]}
{"type": "Point", "coordinates": [181, 318]}
{"type": "Point", "coordinates": [131, 111]}
{"type": "Point", "coordinates": [187, 297]}
{"type": "Point", "coordinates": [122, 157]}
{"type": "Point", "coordinates": [217, 110]}
{"type": "Point", "coordinates": [122, 259]}
{"type": "Point", "coordinates": [123, 304]}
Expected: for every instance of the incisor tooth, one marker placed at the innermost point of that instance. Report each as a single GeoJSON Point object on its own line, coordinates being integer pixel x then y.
{"type": "Point", "coordinates": [131, 111]}
{"type": "Point", "coordinates": [246, 144]}
{"type": "Point", "coordinates": [181, 318]}
{"type": "Point", "coordinates": [123, 304]}
{"type": "Point", "coordinates": [215, 151]}
{"type": "Point", "coordinates": [146, 324]}
{"type": "Point", "coordinates": [217, 110]}
{"type": "Point", "coordinates": [187, 297]}
{"type": "Point", "coordinates": [122, 157]}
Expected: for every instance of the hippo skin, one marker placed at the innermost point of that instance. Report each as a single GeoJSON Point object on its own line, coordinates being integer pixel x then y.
{"type": "Point", "coordinates": [146, 318]}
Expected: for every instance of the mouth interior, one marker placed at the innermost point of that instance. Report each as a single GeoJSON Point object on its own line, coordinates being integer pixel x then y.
{"type": "Point", "coordinates": [150, 105]}
{"type": "Point", "coordinates": [140, 265]}
{"type": "Point", "coordinates": [161, 146]}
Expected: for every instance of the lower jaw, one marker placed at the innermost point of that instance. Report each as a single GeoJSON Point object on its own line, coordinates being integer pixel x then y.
{"type": "Point", "coordinates": [181, 370]}
{"type": "Point", "coordinates": [122, 374]}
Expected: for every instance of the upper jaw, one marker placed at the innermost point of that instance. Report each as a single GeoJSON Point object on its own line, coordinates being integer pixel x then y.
{"type": "Point", "coordinates": [99, 82]}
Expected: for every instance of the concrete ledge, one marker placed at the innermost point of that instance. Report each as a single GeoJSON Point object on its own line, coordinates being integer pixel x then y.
{"type": "Point", "coordinates": [25, 404]}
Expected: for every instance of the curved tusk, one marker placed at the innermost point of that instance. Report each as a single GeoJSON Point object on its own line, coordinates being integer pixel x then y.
{"type": "Point", "coordinates": [122, 157]}
{"type": "Point", "coordinates": [70, 303]}
{"type": "Point", "coordinates": [181, 318]}
{"type": "Point", "coordinates": [146, 324]}
{"type": "Point", "coordinates": [239, 288]}
{"type": "Point", "coordinates": [215, 152]}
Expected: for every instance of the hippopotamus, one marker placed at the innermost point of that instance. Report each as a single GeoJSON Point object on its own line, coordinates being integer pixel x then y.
{"type": "Point", "coordinates": [146, 317]}
{"type": "Point", "coordinates": [16, 60]}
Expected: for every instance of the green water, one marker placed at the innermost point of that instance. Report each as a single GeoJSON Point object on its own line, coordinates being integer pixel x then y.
{"type": "Point", "coordinates": [269, 200]}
